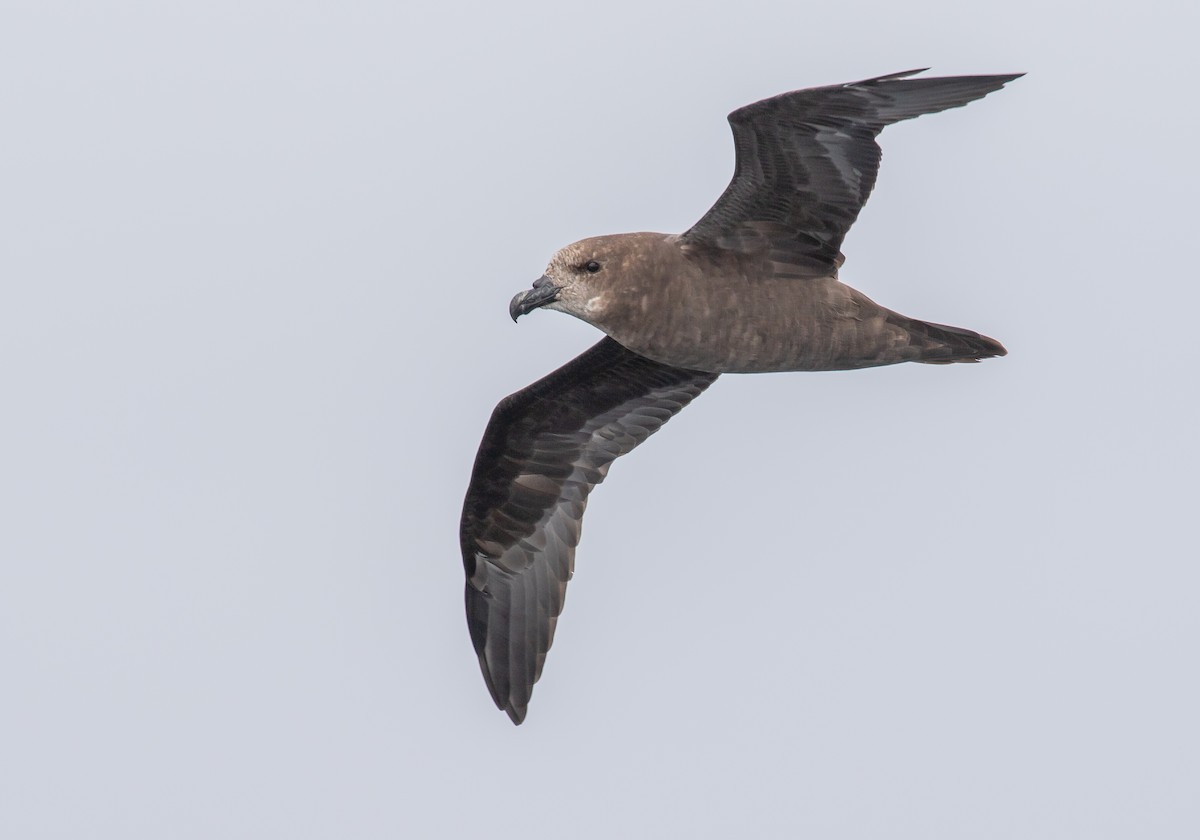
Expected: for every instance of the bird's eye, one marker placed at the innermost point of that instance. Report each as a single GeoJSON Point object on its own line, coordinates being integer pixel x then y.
{"type": "Point", "coordinates": [591, 266]}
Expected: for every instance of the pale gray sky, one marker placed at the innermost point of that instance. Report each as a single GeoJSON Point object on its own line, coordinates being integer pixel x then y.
{"type": "Point", "coordinates": [254, 271]}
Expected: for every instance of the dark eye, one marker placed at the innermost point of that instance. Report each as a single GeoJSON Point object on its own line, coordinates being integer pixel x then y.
{"type": "Point", "coordinates": [591, 266]}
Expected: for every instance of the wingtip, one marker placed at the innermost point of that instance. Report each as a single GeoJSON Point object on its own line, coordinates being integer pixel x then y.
{"type": "Point", "coordinates": [903, 74]}
{"type": "Point", "coordinates": [1000, 78]}
{"type": "Point", "coordinates": [504, 702]}
{"type": "Point", "coordinates": [502, 695]}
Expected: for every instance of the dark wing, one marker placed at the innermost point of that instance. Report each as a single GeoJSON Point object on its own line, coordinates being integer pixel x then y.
{"type": "Point", "coordinates": [545, 448]}
{"type": "Point", "coordinates": [807, 161]}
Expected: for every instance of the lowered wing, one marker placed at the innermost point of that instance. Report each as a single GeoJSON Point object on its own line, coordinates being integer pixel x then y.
{"type": "Point", "coordinates": [544, 450]}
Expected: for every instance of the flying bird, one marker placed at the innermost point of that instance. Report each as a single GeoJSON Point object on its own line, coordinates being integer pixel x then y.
{"type": "Point", "coordinates": [752, 287]}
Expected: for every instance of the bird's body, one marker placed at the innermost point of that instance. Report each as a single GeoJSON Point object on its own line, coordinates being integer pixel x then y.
{"type": "Point", "coordinates": [723, 311]}
{"type": "Point", "coordinates": [751, 288]}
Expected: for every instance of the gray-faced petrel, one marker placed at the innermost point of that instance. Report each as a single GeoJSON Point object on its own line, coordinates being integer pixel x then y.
{"type": "Point", "coordinates": [751, 287]}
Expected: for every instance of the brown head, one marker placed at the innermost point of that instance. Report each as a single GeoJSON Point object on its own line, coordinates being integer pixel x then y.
{"type": "Point", "coordinates": [594, 278]}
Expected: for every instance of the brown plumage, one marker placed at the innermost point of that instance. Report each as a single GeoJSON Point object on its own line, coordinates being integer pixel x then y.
{"type": "Point", "coordinates": [752, 287]}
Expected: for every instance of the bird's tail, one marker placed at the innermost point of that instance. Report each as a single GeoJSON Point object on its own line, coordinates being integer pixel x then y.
{"type": "Point", "coordinates": [943, 345]}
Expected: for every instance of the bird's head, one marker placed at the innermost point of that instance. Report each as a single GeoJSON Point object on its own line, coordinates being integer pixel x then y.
{"type": "Point", "coordinates": [589, 277]}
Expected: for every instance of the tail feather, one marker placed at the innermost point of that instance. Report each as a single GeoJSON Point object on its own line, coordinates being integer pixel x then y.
{"type": "Point", "coordinates": [942, 345]}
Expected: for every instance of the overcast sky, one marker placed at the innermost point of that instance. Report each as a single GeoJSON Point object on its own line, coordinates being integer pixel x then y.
{"type": "Point", "coordinates": [255, 259]}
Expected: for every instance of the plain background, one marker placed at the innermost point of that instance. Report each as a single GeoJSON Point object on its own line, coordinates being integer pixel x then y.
{"type": "Point", "coordinates": [255, 259]}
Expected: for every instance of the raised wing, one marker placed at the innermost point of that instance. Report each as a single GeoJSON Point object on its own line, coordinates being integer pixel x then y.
{"type": "Point", "coordinates": [544, 450]}
{"type": "Point", "coordinates": [807, 161]}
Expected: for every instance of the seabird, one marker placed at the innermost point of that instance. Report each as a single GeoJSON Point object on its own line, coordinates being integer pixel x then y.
{"type": "Point", "coordinates": [752, 287]}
